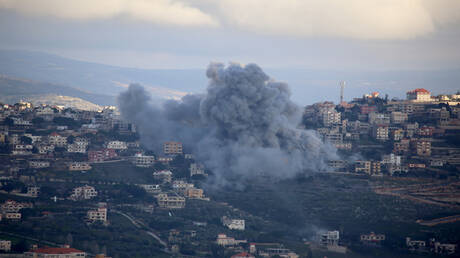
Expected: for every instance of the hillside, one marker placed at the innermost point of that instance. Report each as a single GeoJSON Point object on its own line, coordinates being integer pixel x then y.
{"type": "Point", "coordinates": [14, 89]}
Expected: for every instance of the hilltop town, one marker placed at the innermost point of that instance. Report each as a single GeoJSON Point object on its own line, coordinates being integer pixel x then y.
{"type": "Point", "coordinates": [65, 169]}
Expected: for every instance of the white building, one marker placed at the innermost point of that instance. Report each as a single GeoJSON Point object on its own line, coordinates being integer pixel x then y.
{"type": "Point", "coordinates": [77, 147]}
{"type": "Point", "coordinates": [237, 224]}
{"type": "Point", "coordinates": [117, 145]}
{"type": "Point", "coordinates": [329, 238]}
{"type": "Point", "coordinates": [398, 117]}
{"type": "Point", "coordinates": [170, 201]}
{"type": "Point", "coordinates": [152, 189]}
{"type": "Point", "coordinates": [379, 118]}
{"type": "Point", "coordinates": [419, 95]}
{"type": "Point", "coordinates": [330, 117]}
{"type": "Point", "coordinates": [163, 175]}
{"type": "Point", "coordinates": [140, 160]}
{"type": "Point", "coordinates": [57, 140]}
{"type": "Point", "coordinates": [98, 215]}
{"type": "Point", "coordinates": [381, 132]}
{"type": "Point", "coordinates": [79, 166]}
{"type": "Point", "coordinates": [5, 245]}
{"type": "Point", "coordinates": [39, 164]}
{"type": "Point", "coordinates": [83, 193]}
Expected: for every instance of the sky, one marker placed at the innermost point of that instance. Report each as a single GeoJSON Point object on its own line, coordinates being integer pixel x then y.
{"type": "Point", "coordinates": [312, 34]}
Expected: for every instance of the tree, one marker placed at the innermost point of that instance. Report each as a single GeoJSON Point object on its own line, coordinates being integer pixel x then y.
{"type": "Point", "coordinates": [26, 140]}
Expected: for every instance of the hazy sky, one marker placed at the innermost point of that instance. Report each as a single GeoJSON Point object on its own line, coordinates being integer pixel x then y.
{"type": "Point", "coordinates": [315, 34]}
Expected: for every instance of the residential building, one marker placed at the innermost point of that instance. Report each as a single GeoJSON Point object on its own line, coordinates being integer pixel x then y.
{"type": "Point", "coordinates": [99, 214]}
{"type": "Point", "coordinates": [151, 189]}
{"type": "Point", "coordinates": [419, 95]}
{"type": "Point", "coordinates": [55, 252]}
{"type": "Point", "coordinates": [143, 161]}
{"type": "Point", "coordinates": [444, 249]}
{"type": "Point", "coordinates": [224, 240]}
{"type": "Point", "coordinates": [363, 167]}
{"type": "Point", "coordinates": [329, 238]}
{"type": "Point", "coordinates": [101, 155]}
{"type": "Point", "coordinates": [39, 164]}
{"type": "Point", "coordinates": [13, 215]}
{"type": "Point", "coordinates": [57, 140]}
{"type": "Point", "coordinates": [194, 193]}
{"type": "Point", "coordinates": [45, 148]}
{"type": "Point", "coordinates": [379, 119]}
{"type": "Point", "coordinates": [237, 224]}
{"type": "Point", "coordinates": [398, 117]}
{"type": "Point", "coordinates": [380, 132]}
{"type": "Point", "coordinates": [365, 109]}
{"type": "Point", "coordinates": [397, 134]}
{"type": "Point", "coordinates": [330, 117]}
{"type": "Point", "coordinates": [337, 164]}
{"type": "Point", "coordinates": [171, 148]}
{"type": "Point", "coordinates": [181, 186]}
{"type": "Point", "coordinates": [5, 245]}
{"type": "Point", "coordinates": [196, 169]}
{"type": "Point", "coordinates": [14, 206]}
{"type": "Point", "coordinates": [401, 147]}
{"type": "Point", "coordinates": [415, 244]}
{"type": "Point", "coordinates": [425, 131]}
{"type": "Point", "coordinates": [163, 175]}
{"type": "Point", "coordinates": [170, 201]}
{"type": "Point", "coordinates": [372, 238]}
{"type": "Point", "coordinates": [376, 168]}
{"type": "Point", "coordinates": [33, 191]}
{"type": "Point", "coordinates": [77, 147]}
{"type": "Point", "coordinates": [164, 159]}
{"type": "Point", "coordinates": [117, 145]}
{"type": "Point", "coordinates": [83, 193]}
{"type": "Point", "coordinates": [79, 166]}
{"type": "Point", "coordinates": [422, 147]}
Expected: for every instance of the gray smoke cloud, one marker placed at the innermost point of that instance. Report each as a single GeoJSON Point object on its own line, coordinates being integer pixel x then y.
{"type": "Point", "coordinates": [244, 126]}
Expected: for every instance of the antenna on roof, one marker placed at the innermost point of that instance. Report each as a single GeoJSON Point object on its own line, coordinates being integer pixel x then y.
{"type": "Point", "coordinates": [342, 85]}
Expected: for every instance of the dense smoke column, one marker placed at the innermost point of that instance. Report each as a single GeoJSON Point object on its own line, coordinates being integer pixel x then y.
{"type": "Point", "coordinates": [244, 126]}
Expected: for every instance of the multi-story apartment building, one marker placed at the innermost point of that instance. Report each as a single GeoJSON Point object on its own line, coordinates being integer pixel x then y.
{"type": "Point", "coordinates": [379, 119]}
{"type": "Point", "coordinates": [163, 175]}
{"type": "Point", "coordinates": [39, 164]}
{"type": "Point", "coordinates": [170, 201]}
{"type": "Point", "coordinates": [398, 117]}
{"type": "Point", "coordinates": [5, 245]}
{"type": "Point", "coordinates": [422, 147]}
{"type": "Point", "coordinates": [101, 155]}
{"type": "Point", "coordinates": [419, 95]}
{"type": "Point", "coordinates": [194, 193]}
{"type": "Point", "coordinates": [140, 160]}
{"type": "Point", "coordinates": [196, 169]}
{"type": "Point", "coordinates": [363, 167]}
{"type": "Point", "coordinates": [117, 145]}
{"type": "Point", "coordinates": [77, 147]}
{"type": "Point", "coordinates": [401, 147]}
{"type": "Point", "coordinates": [330, 117]}
{"type": "Point", "coordinates": [100, 214]}
{"type": "Point", "coordinates": [79, 166]}
{"type": "Point", "coordinates": [57, 140]}
{"type": "Point", "coordinates": [380, 132]}
{"type": "Point", "coordinates": [171, 148]}
{"type": "Point", "coordinates": [83, 193]}
{"type": "Point", "coordinates": [397, 134]}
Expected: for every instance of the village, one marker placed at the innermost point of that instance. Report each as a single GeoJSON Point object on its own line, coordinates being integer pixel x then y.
{"type": "Point", "coordinates": [56, 158]}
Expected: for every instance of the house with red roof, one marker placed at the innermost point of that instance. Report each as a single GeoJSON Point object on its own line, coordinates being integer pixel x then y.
{"type": "Point", "coordinates": [55, 252]}
{"type": "Point", "coordinates": [419, 95]}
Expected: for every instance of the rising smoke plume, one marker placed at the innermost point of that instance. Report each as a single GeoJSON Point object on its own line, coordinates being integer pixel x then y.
{"type": "Point", "coordinates": [245, 125]}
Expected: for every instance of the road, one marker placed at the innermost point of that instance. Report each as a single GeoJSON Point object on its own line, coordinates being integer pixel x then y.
{"type": "Point", "coordinates": [140, 225]}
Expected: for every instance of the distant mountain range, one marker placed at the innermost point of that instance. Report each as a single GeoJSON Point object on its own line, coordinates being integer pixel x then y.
{"type": "Point", "coordinates": [97, 83]}
{"type": "Point", "coordinates": [31, 73]}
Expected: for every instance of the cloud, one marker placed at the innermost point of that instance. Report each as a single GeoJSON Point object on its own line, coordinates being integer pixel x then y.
{"type": "Point", "coordinates": [165, 12]}
{"type": "Point", "coordinates": [362, 19]}
{"type": "Point", "coordinates": [355, 19]}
